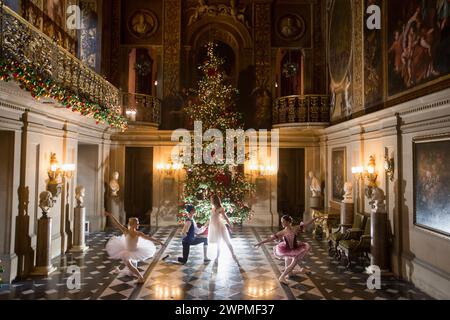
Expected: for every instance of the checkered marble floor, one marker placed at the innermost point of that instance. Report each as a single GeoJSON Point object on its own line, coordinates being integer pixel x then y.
{"type": "Point", "coordinates": [254, 278]}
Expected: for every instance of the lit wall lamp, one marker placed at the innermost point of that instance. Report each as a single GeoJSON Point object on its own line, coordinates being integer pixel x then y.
{"type": "Point", "coordinates": [368, 174]}
{"type": "Point", "coordinates": [54, 184]}
{"type": "Point", "coordinates": [389, 167]}
{"type": "Point", "coordinates": [261, 170]}
{"type": "Point", "coordinates": [169, 168]}
{"type": "Point", "coordinates": [55, 175]}
{"type": "Point", "coordinates": [131, 114]}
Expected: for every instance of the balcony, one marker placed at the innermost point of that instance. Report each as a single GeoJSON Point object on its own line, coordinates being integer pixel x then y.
{"type": "Point", "coordinates": [141, 109]}
{"type": "Point", "coordinates": [47, 70]}
{"type": "Point", "coordinates": [306, 109]}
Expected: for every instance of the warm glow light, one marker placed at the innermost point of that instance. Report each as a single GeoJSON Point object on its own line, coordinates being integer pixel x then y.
{"type": "Point", "coordinates": [356, 170]}
{"type": "Point", "coordinates": [53, 167]}
{"type": "Point", "coordinates": [68, 167]}
{"type": "Point", "coordinates": [371, 170]}
{"type": "Point", "coordinates": [253, 167]}
{"type": "Point", "coordinates": [159, 166]}
{"type": "Point", "coordinates": [131, 112]}
{"type": "Point", "coordinates": [156, 83]}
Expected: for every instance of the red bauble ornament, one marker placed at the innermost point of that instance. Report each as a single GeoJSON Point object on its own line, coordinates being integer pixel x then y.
{"type": "Point", "coordinates": [212, 72]}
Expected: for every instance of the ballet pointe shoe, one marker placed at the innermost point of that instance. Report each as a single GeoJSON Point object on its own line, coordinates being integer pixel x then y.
{"type": "Point", "coordinates": [283, 280]}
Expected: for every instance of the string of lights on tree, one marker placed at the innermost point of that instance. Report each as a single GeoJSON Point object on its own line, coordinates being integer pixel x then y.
{"type": "Point", "coordinates": [215, 108]}
{"type": "Point", "coordinates": [39, 87]}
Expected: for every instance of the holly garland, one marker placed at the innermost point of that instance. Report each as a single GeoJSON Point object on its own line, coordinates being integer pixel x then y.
{"type": "Point", "coordinates": [40, 87]}
{"type": "Point", "coordinates": [214, 107]}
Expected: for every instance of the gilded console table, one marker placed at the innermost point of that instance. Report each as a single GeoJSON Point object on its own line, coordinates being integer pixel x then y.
{"type": "Point", "coordinates": [328, 219]}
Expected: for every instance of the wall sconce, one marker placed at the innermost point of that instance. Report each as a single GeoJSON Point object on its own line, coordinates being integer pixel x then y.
{"type": "Point", "coordinates": [261, 170]}
{"type": "Point", "coordinates": [169, 168]}
{"type": "Point", "coordinates": [54, 184]}
{"type": "Point", "coordinates": [131, 114]}
{"type": "Point", "coordinates": [56, 173]}
{"type": "Point", "coordinates": [156, 83]}
{"type": "Point", "coordinates": [389, 167]}
{"type": "Point", "coordinates": [369, 174]}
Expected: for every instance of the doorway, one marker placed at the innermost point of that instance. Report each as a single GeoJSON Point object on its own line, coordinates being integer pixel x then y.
{"type": "Point", "coordinates": [139, 183]}
{"type": "Point", "coordinates": [291, 183]}
{"type": "Point", "coordinates": [87, 176]}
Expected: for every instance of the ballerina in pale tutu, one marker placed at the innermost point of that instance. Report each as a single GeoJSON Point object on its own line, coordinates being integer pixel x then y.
{"type": "Point", "coordinates": [131, 247]}
{"type": "Point", "coordinates": [217, 231]}
{"type": "Point", "coordinates": [289, 249]}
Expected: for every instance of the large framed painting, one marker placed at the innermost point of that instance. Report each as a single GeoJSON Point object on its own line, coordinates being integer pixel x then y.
{"type": "Point", "coordinates": [431, 183]}
{"type": "Point", "coordinates": [418, 47]}
{"type": "Point", "coordinates": [338, 173]}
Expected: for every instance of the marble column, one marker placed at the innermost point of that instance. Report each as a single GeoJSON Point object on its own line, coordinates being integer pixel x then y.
{"type": "Point", "coordinates": [79, 232]}
{"type": "Point", "coordinates": [43, 251]}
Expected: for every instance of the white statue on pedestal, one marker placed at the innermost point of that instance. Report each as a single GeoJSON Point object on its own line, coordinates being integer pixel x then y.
{"type": "Point", "coordinates": [114, 184]}
{"type": "Point", "coordinates": [378, 204]}
{"type": "Point", "coordinates": [348, 196]}
{"type": "Point", "coordinates": [315, 186]}
{"type": "Point", "coordinates": [79, 196]}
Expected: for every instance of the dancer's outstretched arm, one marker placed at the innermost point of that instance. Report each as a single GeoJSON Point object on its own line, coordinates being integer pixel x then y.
{"type": "Point", "coordinates": [116, 222]}
{"type": "Point", "coordinates": [272, 238]}
{"type": "Point", "coordinates": [150, 238]}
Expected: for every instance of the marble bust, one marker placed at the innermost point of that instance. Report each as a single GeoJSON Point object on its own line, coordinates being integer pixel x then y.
{"type": "Point", "coordinates": [79, 196]}
{"type": "Point", "coordinates": [315, 186]}
{"type": "Point", "coordinates": [378, 197]}
{"type": "Point", "coordinates": [348, 196]}
{"type": "Point", "coordinates": [45, 201]}
{"type": "Point", "coordinates": [114, 186]}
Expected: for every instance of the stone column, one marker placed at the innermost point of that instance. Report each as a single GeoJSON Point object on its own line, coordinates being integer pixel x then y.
{"type": "Point", "coordinates": [378, 231]}
{"type": "Point", "coordinates": [347, 211]}
{"type": "Point", "coordinates": [43, 252]}
{"type": "Point", "coordinates": [78, 234]}
{"type": "Point", "coordinates": [347, 206]}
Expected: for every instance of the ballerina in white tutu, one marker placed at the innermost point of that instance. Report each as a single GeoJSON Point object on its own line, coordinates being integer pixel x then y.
{"type": "Point", "coordinates": [131, 247]}
{"type": "Point", "coordinates": [217, 231]}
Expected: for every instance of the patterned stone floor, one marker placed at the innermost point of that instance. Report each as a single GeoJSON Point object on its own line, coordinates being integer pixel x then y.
{"type": "Point", "coordinates": [255, 278]}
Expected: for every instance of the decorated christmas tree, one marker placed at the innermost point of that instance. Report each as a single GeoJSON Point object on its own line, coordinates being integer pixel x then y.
{"type": "Point", "coordinates": [214, 107]}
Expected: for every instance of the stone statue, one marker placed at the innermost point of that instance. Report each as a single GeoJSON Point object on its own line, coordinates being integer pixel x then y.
{"type": "Point", "coordinates": [348, 196]}
{"type": "Point", "coordinates": [114, 184]}
{"type": "Point", "coordinates": [79, 196]}
{"type": "Point", "coordinates": [378, 197]}
{"type": "Point", "coordinates": [315, 186]}
{"type": "Point", "coordinates": [45, 202]}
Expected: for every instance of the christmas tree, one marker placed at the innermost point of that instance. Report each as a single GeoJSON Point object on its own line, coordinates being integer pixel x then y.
{"type": "Point", "coordinates": [214, 106]}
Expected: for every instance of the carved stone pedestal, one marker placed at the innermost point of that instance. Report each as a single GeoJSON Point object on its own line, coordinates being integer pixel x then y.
{"type": "Point", "coordinates": [379, 234]}
{"type": "Point", "coordinates": [43, 251]}
{"type": "Point", "coordinates": [316, 202]}
{"type": "Point", "coordinates": [347, 211]}
{"type": "Point", "coordinates": [79, 232]}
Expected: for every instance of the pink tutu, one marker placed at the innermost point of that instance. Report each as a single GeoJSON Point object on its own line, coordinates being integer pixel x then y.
{"type": "Point", "coordinates": [128, 248]}
{"type": "Point", "coordinates": [290, 247]}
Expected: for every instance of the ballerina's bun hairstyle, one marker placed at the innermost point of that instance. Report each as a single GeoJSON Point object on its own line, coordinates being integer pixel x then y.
{"type": "Point", "coordinates": [287, 218]}
{"type": "Point", "coordinates": [133, 221]}
{"type": "Point", "coordinates": [216, 201]}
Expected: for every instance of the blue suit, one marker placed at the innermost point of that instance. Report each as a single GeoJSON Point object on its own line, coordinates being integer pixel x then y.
{"type": "Point", "coordinates": [191, 240]}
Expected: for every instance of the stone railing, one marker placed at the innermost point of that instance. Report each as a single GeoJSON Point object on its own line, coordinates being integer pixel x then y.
{"type": "Point", "coordinates": [22, 42]}
{"type": "Point", "coordinates": [301, 109]}
{"type": "Point", "coordinates": [141, 108]}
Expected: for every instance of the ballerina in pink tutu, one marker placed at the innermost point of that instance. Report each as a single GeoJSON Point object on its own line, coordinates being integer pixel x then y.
{"type": "Point", "coordinates": [289, 249]}
{"type": "Point", "coordinates": [131, 247]}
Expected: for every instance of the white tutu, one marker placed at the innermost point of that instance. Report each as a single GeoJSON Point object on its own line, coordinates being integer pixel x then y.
{"type": "Point", "coordinates": [217, 231]}
{"type": "Point", "coordinates": [127, 248]}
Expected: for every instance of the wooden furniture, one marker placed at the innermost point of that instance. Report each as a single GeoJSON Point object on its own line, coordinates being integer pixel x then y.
{"type": "Point", "coordinates": [356, 248]}
{"type": "Point", "coordinates": [328, 219]}
{"type": "Point", "coordinates": [347, 232]}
